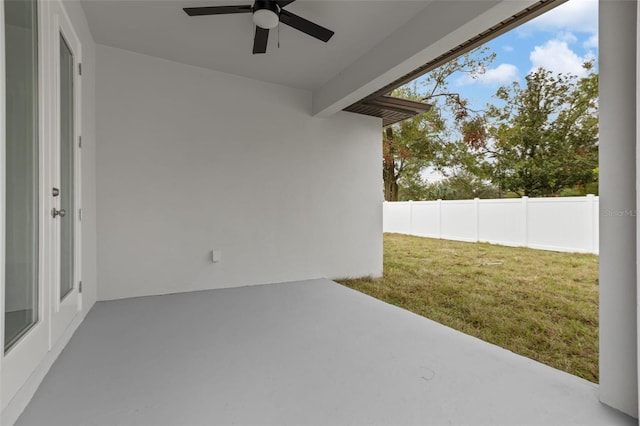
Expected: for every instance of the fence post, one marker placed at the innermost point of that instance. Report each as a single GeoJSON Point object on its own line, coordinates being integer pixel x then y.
{"type": "Point", "coordinates": [525, 221]}
{"type": "Point", "coordinates": [439, 203]}
{"type": "Point", "coordinates": [411, 217]}
{"type": "Point", "coordinates": [476, 204]}
{"type": "Point", "coordinates": [384, 215]}
{"type": "Point", "coordinates": [590, 223]}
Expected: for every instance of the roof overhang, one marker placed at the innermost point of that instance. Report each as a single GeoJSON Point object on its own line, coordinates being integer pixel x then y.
{"type": "Point", "coordinates": [392, 110]}
{"type": "Point", "coordinates": [356, 89]}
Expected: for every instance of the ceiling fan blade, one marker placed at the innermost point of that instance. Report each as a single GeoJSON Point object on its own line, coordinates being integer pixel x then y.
{"type": "Point", "coordinates": [283, 3]}
{"type": "Point", "coordinates": [260, 40]}
{"type": "Point", "coordinates": [217, 10]}
{"type": "Point", "coordinates": [307, 27]}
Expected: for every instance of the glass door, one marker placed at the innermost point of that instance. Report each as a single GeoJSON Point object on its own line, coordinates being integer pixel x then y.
{"type": "Point", "coordinates": [25, 333]}
{"type": "Point", "coordinates": [66, 299]}
{"type": "Point", "coordinates": [22, 189]}
{"type": "Point", "coordinates": [67, 170]}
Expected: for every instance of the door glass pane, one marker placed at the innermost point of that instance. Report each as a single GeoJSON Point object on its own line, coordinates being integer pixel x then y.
{"type": "Point", "coordinates": [21, 168]}
{"type": "Point", "coordinates": [66, 169]}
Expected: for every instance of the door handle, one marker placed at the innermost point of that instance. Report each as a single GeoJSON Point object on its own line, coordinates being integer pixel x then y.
{"type": "Point", "coordinates": [60, 213]}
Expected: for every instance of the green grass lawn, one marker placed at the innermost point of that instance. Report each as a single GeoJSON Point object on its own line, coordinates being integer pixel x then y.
{"type": "Point", "coordinates": [540, 304]}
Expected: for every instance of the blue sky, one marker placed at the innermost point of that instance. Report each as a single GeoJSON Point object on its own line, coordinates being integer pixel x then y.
{"type": "Point", "coordinates": [559, 40]}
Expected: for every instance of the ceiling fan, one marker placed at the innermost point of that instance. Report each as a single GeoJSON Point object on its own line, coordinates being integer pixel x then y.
{"type": "Point", "coordinates": [266, 15]}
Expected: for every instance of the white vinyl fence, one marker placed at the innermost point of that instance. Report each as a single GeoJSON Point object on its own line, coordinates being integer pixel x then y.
{"type": "Point", "coordinates": [559, 224]}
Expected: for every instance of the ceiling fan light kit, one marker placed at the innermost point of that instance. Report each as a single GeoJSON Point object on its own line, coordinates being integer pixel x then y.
{"type": "Point", "coordinates": [267, 14]}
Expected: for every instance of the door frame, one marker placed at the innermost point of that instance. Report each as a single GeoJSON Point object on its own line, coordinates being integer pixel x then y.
{"type": "Point", "coordinates": [64, 311]}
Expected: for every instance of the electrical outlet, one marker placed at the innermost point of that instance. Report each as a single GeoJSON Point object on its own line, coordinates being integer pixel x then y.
{"type": "Point", "coordinates": [216, 256]}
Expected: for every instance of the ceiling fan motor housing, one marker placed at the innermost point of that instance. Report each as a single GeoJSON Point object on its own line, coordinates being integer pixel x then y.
{"type": "Point", "coordinates": [266, 14]}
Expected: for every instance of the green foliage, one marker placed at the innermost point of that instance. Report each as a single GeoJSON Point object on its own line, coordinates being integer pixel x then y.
{"type": "Point", "coordinates": [572, 192]}
{"type": "Point", "coordinates": [412, 187]}
{"type": "Point", "coordinates": [544, 139]}
{"type": "Point", "coordinates": [410, 145]}
{"type": "Point", "coordinates": [413, 144]}
{"type": "Point", "coordinates": [538, 139]}
{"type": "Point", "coordinates": [462, 186]}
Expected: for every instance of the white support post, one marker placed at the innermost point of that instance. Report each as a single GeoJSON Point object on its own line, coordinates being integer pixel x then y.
{"type": "Point", "coordinates": [2, 186]}
{"type": "Point", "coordinates": [618, 22]}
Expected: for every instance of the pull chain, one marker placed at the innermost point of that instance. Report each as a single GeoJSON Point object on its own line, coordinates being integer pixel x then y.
{"type": "Point", "coordinates": [278, 36]}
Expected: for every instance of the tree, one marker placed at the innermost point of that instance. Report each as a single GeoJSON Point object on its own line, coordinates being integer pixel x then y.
{"type": "Point", "coordinates": [545, 137]}
{"type": "Point", "coordinates": [461, 186]}
{"type": "Point", "coordinates": [412, 145]}
{"type": "Point", "coordinates": [412, 186]}
{"type": "Point", "coordinates": [408, 146]}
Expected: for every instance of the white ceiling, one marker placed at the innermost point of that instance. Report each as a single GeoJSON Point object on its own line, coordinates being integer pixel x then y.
{"type": "Point", "coordinates": [224, 43]}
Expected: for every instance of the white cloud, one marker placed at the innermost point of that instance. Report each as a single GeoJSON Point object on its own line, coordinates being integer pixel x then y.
{"type": "Point", "coordinates": [507, 48]}
{"type": "Point", "coordinates": [572, 16]}
{"type": "Point", "coordinates": [591, 42]}
{"type": "Point", "coordinates": [502, 74]}
{"type": "Point", "coordinates": [567, 37]}
{"type": "Point", "coordinates": [556, 56]}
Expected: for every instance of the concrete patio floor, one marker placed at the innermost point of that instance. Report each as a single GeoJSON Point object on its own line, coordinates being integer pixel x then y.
{"type": "Point", "coordinates": [309, 352]}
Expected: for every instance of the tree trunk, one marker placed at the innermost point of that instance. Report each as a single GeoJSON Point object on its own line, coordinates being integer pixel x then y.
{"type": "Point", "coordinates": [391, 191]}
{"type": "Point", "coordinates": [390, 183]}
{"type": "Point", "coordinates": [389, 169]}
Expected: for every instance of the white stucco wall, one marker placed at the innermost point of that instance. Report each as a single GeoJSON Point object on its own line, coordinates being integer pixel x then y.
{"type": "Point", "coordinates": [191, 160]}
